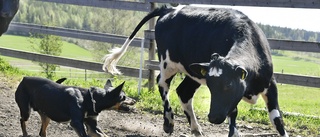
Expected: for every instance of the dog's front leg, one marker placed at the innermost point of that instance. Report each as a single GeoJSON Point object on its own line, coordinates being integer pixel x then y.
{"type": "Point", "coordinates": [78, 126]}
{"type": "Point", "coordinates": [92, 127]}
{"type": "Point", "coordinates": [77, 120]}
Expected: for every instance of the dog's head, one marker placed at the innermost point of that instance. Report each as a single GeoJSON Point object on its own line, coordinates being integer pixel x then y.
{"type": "Point", "coordinates": [109, 97]}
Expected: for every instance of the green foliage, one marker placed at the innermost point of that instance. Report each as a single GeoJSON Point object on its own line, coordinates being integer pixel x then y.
{"type": "Point", "coordinates": [79, 17]}
{"type": "Point", "coordinates": [50, 45]}
{"type": "Point", "coordinates": [6, 68]}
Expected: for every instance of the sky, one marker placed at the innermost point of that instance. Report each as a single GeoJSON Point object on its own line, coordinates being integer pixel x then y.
{"type": "Point", "coordinates": [296, 18]}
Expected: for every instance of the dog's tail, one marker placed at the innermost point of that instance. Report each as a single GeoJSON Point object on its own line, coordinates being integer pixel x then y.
{"type": "Point", "coordinates": [59, 81]}
{"type": "Point", "coordinates": [110, 60]}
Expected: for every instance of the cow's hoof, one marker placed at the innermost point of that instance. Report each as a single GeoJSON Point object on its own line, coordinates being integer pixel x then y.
{"type": "Point", "coordinates": [197, 133]}
{"type": "Point", "coordinates": [168, 129]}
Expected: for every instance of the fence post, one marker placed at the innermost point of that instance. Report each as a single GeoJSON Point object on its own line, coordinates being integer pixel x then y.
{"type": "Point", "coordinates": [152, 48]}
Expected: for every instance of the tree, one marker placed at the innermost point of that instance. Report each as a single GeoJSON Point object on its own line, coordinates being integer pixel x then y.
{"type": "Point", "coordinates": [50, 45]}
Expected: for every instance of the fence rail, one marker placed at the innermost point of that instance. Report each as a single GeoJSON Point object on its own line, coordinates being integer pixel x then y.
{"type": "Point", "coordinates": [145, 6]}
{"type": "Point", "coordinates": [300, 80]}
{"type": "Point", "coordinates": [117, 39]}
{"type": "Point", "coordinates": [132, 72]}
{"type": "Point", "coordinates": [260, 3]}
{"type": "Point", "coordinates": [73, 33]}
{"type": "Point", "coordinates": [275, 44]}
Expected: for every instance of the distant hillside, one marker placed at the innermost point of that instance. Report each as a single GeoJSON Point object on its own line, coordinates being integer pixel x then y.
{"type": "Point", "coordinates": [290, 34]}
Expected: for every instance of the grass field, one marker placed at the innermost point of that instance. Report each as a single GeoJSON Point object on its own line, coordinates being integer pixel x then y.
{"type": "Point", "coordinates": [298, 99]}
{"type": "Point", "coordinates": [68, 49]}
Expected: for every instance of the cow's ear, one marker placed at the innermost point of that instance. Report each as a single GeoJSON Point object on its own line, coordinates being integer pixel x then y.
{"type": "Point", "coordinates": [200, 69]}
{"type": "Point", "coordinates": [241, 72]}
{"type": "Point", "coordinates": [108, 84]}
{"type": "Point", "coordinates": [215, 56]}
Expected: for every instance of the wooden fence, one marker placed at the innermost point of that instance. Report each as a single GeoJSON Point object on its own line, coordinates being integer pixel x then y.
{"type": "Point", "coordinates": [151, 65]}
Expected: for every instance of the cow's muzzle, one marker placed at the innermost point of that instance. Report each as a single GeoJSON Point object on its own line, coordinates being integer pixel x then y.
{"type": "Point", "coordinates": [216, 119]}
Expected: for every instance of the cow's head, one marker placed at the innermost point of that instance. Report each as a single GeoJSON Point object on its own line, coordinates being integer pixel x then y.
{"type": "Point", "coordinates": [226, 83]}
{"type": "Point", "coordinates": [8, 8]}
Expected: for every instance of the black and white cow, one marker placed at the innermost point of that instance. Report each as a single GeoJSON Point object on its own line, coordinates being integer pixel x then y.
{"type": "Point", "coordinates": [217, 47]}
{"type": "Point", "coordinates": [8, 8]}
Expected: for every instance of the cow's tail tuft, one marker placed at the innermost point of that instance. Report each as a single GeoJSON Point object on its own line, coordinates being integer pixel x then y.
{"type": "Point", "coordinates": [111, 60]}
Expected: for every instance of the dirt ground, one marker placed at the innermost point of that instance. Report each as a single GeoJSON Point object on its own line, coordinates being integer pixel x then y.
{"type": "Point", "coordinates": [114, 124]}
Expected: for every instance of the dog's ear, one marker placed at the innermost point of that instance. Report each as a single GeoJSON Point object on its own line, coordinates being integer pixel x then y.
{"type": "Point", "coordinates": [59, 81]}
{"type": "Point", "coordinates": [118, 89]}
{"type": "Point", "coordinates": [108, 84]}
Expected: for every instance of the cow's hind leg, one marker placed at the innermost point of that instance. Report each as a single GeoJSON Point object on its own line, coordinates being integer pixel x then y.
{"type": "Point", "coordinates": [164, 84]}
{"type": "Point", "coordinates": [270, 96]}
{"type": "Point", "coordinates": [185, 91]}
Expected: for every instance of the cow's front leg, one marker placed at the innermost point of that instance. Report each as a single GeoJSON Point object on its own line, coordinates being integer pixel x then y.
{"type": "Point", "coordinates": [92, 127]}
{"type": "Point", "coordinates": [233, 132]}
{"type": "Point", "coordinates": [185, 91]}
{"type": "Point", "coordinates": [164, 85]}
{"type": "Point", "coordinates": [270, 96]}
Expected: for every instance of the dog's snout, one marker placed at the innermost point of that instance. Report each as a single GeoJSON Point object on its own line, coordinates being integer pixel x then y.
{"type": "Point", "coordinates": [129, 101]}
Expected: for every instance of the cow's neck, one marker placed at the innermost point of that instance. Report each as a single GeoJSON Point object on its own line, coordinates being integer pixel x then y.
{"type": "Point", "coordinates": [244, 54]}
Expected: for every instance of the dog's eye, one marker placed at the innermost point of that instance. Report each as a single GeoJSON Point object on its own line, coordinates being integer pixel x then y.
{"type": "Point", "coordinates": [123, 98]}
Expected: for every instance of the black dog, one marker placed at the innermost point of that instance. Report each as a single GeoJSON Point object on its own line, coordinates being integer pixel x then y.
{"type": "Point", "coordinates": [62, 103]}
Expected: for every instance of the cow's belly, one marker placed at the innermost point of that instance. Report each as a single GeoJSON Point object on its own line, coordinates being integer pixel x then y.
{"type": "Point", "coordinates": [169, 68]}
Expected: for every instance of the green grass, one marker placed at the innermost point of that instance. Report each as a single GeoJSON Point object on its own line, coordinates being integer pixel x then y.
{"type": "Point", "coordinates": [21, 43]}
{"type": "Point", "coordinates": [290, 66]}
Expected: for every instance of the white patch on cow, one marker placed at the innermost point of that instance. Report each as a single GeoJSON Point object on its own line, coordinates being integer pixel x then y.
{"type": "Point", "coordinates": [236, 133]}
{"type": "Point", "coordinates": [96, 118]}
{"type": "Point", "coordinates": [168, 116]}
{"type": "Point", "coordinates": [265, 91]}
{"type": "Point", "coordinates": [178, 8]}
{"type": "Point", "coordinates": [253, 99]}
{"type": "Point", "coordinates": [263, 94]}
{"type": "Point", "coordinates": [173, 68]}
{"type": "Point", "coordinates": [216, 72]}
{"type": "Point", "coordinates": [70, 91]}
{"type": "Point", "coordinates": [187, 107]}
{"type": "Point", "coordinates": [274, 114]}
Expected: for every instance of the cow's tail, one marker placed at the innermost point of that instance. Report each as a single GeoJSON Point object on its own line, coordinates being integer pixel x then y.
{"type": "Point", "coordinates": [110, 60]}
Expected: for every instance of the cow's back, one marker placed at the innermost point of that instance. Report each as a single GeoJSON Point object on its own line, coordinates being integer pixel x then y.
{"type": "Point", "coordinates": [194, 31]}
